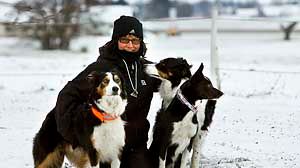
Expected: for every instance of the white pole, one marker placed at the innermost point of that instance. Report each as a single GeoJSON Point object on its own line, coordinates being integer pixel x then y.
{"type": "Point", "coordinates": [214, 60]}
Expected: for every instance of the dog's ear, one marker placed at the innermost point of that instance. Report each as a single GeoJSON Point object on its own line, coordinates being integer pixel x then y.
{"type": "Point", "coordinates": [185, 72]}
{"type": "Point", "coordinates": [200, 70]}
{"type": "Point", "coordinates": [183, 67]}
{"type": "Point", "coordinates": [92, 78]}
{"type": "Point", "coordinates": [198, 75]}
{"type": "Point", "coordinates": [201, 67]}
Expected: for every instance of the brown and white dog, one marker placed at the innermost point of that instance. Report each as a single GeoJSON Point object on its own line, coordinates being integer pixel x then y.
{"type": "Point", "coordinates": [99, 130]}
{"type": "Point", "coordinates": [182, 122]}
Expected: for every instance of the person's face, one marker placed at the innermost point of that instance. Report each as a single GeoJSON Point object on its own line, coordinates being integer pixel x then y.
{"type": "Point", "coordinates": [129, 43]}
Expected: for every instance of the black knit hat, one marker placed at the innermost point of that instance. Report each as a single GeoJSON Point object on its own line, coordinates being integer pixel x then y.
{"type": "Point", "coordinates": [127, 25]}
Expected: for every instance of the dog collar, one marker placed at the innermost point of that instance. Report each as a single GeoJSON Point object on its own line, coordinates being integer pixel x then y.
{"type": "Point", "coordinates": [102, 116]}
{"type": "Point", "coordinates": [183, 100]}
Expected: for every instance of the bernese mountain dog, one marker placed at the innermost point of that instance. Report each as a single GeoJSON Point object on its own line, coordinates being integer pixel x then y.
{"type": "Point", "coordinates": [99, 131]}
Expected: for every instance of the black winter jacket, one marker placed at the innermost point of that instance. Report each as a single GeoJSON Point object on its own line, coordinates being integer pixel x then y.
{"type": "Point", "coordinates": [72, 98]}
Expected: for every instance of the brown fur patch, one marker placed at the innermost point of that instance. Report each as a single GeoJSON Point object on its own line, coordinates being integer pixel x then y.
{"type": "Point", "coordinates": [163, 74]}
{"type": "Point", "coordinates": [101, 88]}
{"type": "Point", "coordinates": [54, 159]}
{"type": "Point", "coordinates": [100, 91]}
{"type": "Point", "coordinates": [77, 156]}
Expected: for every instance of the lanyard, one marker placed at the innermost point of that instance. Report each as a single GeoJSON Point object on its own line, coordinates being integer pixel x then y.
{"type": "Point", "coordinates": [134, 87]}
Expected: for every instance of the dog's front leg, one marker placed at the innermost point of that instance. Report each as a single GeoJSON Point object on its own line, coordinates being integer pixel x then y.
{"type": "Point", "coordinates": [115, 163]}
{"type": "Point", "coordinates": [97, 166]}
{"type": "Point", "coordinates": [162, 162]}
{"type": "Point", "coordinates": [185, 158]}
{"type": "Point", "coordinates": [162, 157]}
{"type": "Point", "coordinates": [93, 156]}
{"type": "Point", "coordinates": [197, 146]}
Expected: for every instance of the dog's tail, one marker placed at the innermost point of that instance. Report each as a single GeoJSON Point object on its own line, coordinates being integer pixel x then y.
{"type": "Point", "coordinates": [209, 113]}
{"type": "Point", "coordinates": [48, 150]}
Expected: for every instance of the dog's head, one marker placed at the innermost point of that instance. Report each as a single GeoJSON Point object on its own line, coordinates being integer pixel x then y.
{"type": "Point", "coordinates": [106, 84]}
{"type": "Point", "coordinates": [200, 87]}
{"type": "Point", "coordinates": [174, 70]}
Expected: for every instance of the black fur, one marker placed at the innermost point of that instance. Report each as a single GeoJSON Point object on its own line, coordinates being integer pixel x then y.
{"type": "Point", "coordinates": [198, 87]}
{"type": "Point", "coordinates": [48, 140]}
{"type": "Point", "coordinates": [175, 68]}
{"type": "Point", "coordinates": [163, 129]}
{"type": "Point", "coordinates": [209, 113]}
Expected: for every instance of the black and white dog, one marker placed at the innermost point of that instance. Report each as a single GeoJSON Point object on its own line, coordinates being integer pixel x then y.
{"type": "Point", "coordinates": [172, 72]}
{"type": "Point", "coordinates": [100, 131]}
{"type": "Point", "coordinates": [181, 124]}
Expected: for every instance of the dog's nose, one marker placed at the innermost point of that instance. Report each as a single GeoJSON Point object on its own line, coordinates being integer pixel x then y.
{"type": "Point", "coordinates": [219, 93]}
{"type": "Point", "coordinates": [115, 89]}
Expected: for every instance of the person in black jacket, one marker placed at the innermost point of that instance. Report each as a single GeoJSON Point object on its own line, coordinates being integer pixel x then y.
{"type": "Point", "coordinates": [125, 52]}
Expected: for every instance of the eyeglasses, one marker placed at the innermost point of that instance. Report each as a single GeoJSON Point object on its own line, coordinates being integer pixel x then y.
{"type": "Point", "coordinates": [125, 40]}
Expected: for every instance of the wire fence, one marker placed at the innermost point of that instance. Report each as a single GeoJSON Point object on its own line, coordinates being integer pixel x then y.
{"type": "Point", "coordinates": [259, 71]}
{"type": "Point", "coordinates": [279, 20]}
{"type": "Point", "coordinates": [237, 18]}
{"type": "Point", "coordinates": [220, 18]}
{"type": "Point", "coordinates": [234, 82]}
{"type": "Point", "coordinates": [17, 74]}
{"type": "Point", "coordinates": [260, 83]}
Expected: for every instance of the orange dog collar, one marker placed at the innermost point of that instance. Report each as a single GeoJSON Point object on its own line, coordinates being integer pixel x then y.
{"type": "Point", "coordinates": [102, 116]}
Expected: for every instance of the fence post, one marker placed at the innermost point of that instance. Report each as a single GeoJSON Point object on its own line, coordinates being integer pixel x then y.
{"type": "Point", "coordinates": [214, 60]}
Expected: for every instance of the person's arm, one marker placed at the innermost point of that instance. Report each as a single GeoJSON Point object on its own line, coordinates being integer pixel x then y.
{"type": "Point", "coordinates": [71, 102]}
{"type": "Point", "coordinates": [155, 83]}
{"type": "Point", "coordinates": [153, 77]}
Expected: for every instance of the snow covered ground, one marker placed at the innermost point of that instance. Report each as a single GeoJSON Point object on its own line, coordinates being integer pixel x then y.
{"type": "Point", "coordinates": [256, 124]}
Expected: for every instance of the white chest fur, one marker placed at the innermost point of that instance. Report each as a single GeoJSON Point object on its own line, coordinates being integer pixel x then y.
{"type": "Point", "coordinates": [185, 129]}
{"type": "Point", "coordinates": [108, 139]}
{"type": "Point", "coordinates": [167, 93]}
{"type": "Point", "coordinates": [182, 134]}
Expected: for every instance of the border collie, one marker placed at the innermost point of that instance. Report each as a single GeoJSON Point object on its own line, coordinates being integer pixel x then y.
{"type": "Point", "coordinates": [181, 124]}
{"type": "Point", "coordinates": [173, 72]}
{"type": "Point", "coordinates": [99, 131]}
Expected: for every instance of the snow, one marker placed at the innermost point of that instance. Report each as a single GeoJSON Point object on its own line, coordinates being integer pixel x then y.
{"type": "Point", "coordinates": [282, 10]}
{"type": "Point", "coordinates": [256, 123]}
{"type": "Point", "coordinates": [6, 13]}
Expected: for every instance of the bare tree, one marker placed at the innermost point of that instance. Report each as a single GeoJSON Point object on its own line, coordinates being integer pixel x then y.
{"type": "Point", "coordinates": [54, 22]}
{"type": "Point", "coordinates": [288, 29]}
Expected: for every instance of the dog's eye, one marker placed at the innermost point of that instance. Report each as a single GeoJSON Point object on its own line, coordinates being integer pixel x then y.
{"type": "Point", "coordinates": [162, 64]}
{"type": "Point", "coordinates": [117, 80]}
{"type": "Point", "coordinates": [105, 81]}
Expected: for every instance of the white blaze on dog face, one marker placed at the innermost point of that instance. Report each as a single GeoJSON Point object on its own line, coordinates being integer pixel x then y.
{"type": "Point", "coordinates": [110, 93]}
{"type": "Point", "coordinates": [110, 85]}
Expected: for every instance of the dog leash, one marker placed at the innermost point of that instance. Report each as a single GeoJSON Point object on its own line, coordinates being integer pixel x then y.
{"type": "Point", "coordinates": [183, 100]}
